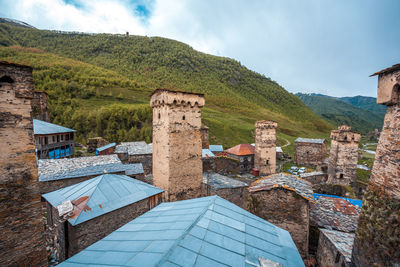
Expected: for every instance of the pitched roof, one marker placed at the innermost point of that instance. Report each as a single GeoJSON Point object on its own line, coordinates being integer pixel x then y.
{"type": "Point", "coordinates": [342, 241]}
{"type": "Point", "coordinates": [219, 181]}
{"type": "Point", "coordinates": [334, 212]}
{"type": "Point", "coordinates": [390, 69]}
{"type": "Point", "coordinates": [278, 149]}
{"type": "Point", "coordinates": [216, 148]}
{"type": "Point", "coordinates": [286, 181]}
{"type": "Point", "coordinates": [241, 150]}
{"type": "Point", "coordinates": [206, 153]}
{"type": "Point", "coordinates": [100, 195]}
{"type": "Point", "coordinates": [105, 147]}
{"type": "Point", "coordinates": [134, 148]}
{"type": "Point", "coordinates": [310, 140]}
{"type": "Point", "coordinates": [57, 169]}
{"type": "Point", "coordinates": [207, 231]}
{"type": "Point", "coordinates": [42, 127]}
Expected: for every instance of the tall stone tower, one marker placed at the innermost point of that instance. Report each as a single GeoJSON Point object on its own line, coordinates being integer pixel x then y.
{"type": "Point", "coordinates": [377, 239]}
{"type": "Point", "coordinates": [265, 150]}
{"type": "Point", "coordinates": [21, 224]}
{"type": "Point", "coordinates": [205, 143]}
{"type": "Point", "coordinates": [177, 165]}
{"type": "Point", "coordinates": [343, 156]}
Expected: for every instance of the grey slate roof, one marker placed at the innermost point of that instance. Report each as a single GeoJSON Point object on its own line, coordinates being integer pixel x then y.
{"type": "Point", "coordinates": [104, 193]}
{"type": "Point", "coordinates": [42, 127]}
{"type": "Point", "coordinates": [219, 181]}
{"type": "Point", "coordinates": [342, 241]}
{"type": "Point", "coordinates": [57, 169]}
{"type": "Point", "coordinates": [207, 231]}
{"type": "Point", "coordinates": [134, 148]}
{"type": "Point", "coordinates": [309, 140]}
{"type": "Point", "coordinates": [287, 181]}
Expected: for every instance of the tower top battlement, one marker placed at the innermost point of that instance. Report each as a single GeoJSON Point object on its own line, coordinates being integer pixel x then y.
{"type": "Point", "coordinates": [344, 134]}
{"type": "Point", "coordinates": [266, 124]}
{"type": "Point", "coordinates": [167, 97]}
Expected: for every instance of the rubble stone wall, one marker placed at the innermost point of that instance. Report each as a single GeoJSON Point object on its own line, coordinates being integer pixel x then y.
{"type": "Point", "coordinates": [265, 148]}
{"type": "Point", "coordinates": [309, 154]}
{"type": "Point", "coordinates": [221, 165]}
{"type": "Point", "coordinates": [314, 177]}
{"type": "Point", "coordinates": [238, 195]}
{"type": "Point", "coordinates": [328, 255]}
{"type": "Point", "coordinates": [246, 162]}
{"type": "Point", "coordinates": [40, 106]}
{"type": "Point", "coordinates": [22, 241]}
{"type": "Point", "coordinates": [204, 137]}
{"type": "Point", "coordinates": [285, 209]}
{"type": "Point", "coordinates": [145, 159]}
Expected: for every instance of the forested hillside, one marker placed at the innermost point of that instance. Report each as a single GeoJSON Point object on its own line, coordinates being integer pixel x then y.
{"type": "Point", "coordinates": [367, 103]}
{"type": "Point", "coordinates": [97, 82]}
{"type": "Point", "coordinates": [338, 111]}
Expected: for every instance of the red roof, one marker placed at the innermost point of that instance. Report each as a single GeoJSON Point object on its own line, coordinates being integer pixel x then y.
{"type": "Point", "coordinates": [241, 150]}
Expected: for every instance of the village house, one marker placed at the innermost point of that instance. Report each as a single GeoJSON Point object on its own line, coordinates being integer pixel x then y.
{"type": "Point", "coordinates": [53, 141]}
{"type": "Point", "coordinates": [58, 173]}
{"type": "Point", "coordinates": [309, 151]}
{"type": "Point", "coordinates": [97, 207]}
{"type": "Point", "coordinates": [279, 153]}
{"type": "Point", "coordinates": [334, 248]}
{"type": "Point", "coordinates": [284, 199]}
{"type": "Point", "coordinates": [207, 231]}
{"type": "Point", "coordinates": [244, 153]}
{"type": "Point", "coordinates": [136, 152]}
{"type": "Point", "coordinates": [106, 150]}
{"type": "Point", "coordinates": [95, 142]}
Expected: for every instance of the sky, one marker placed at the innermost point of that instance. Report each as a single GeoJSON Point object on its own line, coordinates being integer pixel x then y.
{"type": "Point", "coordinates": [310, 46]}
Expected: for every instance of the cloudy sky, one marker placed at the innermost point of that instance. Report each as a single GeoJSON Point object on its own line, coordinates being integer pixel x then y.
{"type": "Point", "coordinates": [322, 46]}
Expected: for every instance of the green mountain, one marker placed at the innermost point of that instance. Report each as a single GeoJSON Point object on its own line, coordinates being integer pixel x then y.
{"type": "Point", "coordinates": [99, 84]}
{"type": "Point", "coordinates": [359, 112]}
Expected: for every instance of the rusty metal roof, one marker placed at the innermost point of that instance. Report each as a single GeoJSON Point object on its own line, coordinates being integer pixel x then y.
{"type": "Point", "coordinates": [241, 150]}
{"type": "Point", "coordinates": [390, 69]}
{"type": "Point", "coordinates": [100, 195]}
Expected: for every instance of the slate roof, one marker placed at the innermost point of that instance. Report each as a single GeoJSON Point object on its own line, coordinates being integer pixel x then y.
{"type": "Point", "coordinates": [134, 148]}
{"type": "Point", "coordinates": [309, 140]}
{"type": "Point", "coordinates": [105, 147]}
{"type": "Point", "coordinates": [286, 181]}
{"type": "Point", "coordinates": [334, 212]}
{"type": "Point", "coordinates": [206, 153]}
{"type": "Point", "coordinates": [395, 67]}
{"type": "Point", "coordinates": [219, 181]}
{"type": "Point", "coordinates": [100, 195]}
{"type": "Point", "coordinates": [241, 150]}
{"type": "Point", "coordinates": [342, 241]}
{"type": "Point", "coordinates": [207, 231]}
{"type": "Point", "coordinates": [57, 169]}
{"type": "Point", "coordinates": [216, 148]}
{"type": "Point", "coordinates": [42, 127]}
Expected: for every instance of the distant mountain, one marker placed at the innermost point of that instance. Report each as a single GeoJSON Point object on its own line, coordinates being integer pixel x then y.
{"type": "Point", "coordinates": [15, 22]}
{"type": "Point", "coordinates": [361, 112]}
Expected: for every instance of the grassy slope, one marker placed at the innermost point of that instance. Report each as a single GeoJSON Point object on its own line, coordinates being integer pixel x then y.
{"type": "Point", "coordinates": [338, 112]}
{"type": "Point", "coordinates": [118, 69]}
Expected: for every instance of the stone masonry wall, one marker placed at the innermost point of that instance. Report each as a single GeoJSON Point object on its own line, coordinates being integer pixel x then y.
{"type": "Point", "coordinates": [310, 154]}
{"type": "Point", "coordinates": [285, 209]}
{"type": "Point", "coordinates": [238, 195]}
{"type": "Point", "coordinates": [265, 148]}
{"type": "Point", "coordinates": [40, 106]}
{"type": "Point", "coordinates": [22, 240]}
{"type": "Point", "coordinates": [221, 165]}
{"type": "Point", "coordinates": [204, 137]}
{"type": "Point", "coordinates": [145, 159]}
{"type": "Point", "coordinates": [328, 255]}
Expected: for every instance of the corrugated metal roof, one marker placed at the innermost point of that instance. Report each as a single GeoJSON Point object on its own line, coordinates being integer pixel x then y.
{"type": "Point", "coordinates": [207, 231]}
{"type": "Point", "coordinates": [309, 140]}
{"type": "Point", "coordinates": [219, 181]}
{"type": "Point", "coordinates": [42, 127]}
{"type": "Point", "coordinates": [105, 147]}
{"type": "Point", "coordinates": [241, 150]}
{"type": "Point", "coordinates": [101, 194]}
{"type": "Point", "coordinates": [216, 148]}
{"type": "Point", "coordinates": [57, 169]}
{"type": "Point", "coordinates": [206, 153]}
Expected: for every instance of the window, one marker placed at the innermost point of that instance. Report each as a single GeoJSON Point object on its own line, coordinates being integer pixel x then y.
{"type": "Point", "coordinates": [46, 141]}
{"type": "Point", "coordinates": [341, 176]}
{"type": "Point", "coordinates": [58, 138]}
{"type": "Point", "coordinates": [267, 161]}
{"type": "Point", "coordinates": [159, 115]}
{"type": "Point", "coordinates": [6, 79]}
{"type": "Point", "coordinates": [241, 159]}
{"type": "Point", "coordinates": [183, 118]}
{"type": "Point", "coordinates": [54, 139]}
{"type": "Point", "coordinates": [66, 137]}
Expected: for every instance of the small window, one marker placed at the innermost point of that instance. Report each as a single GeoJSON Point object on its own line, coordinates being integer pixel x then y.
{"type": "Point", "coordinates": [54, 139]}
{"type": "Point", "coordinates": [46, 141]}
{"type": "Point", "coordinates": [6, 79]}
{"type": "Point", "coordinates": [58, 138]}
{"type": "Point", "coordinates": [159, 115]}
{"type": "Point", "coordinates": [267, 161]}
{"type": "Point", "coordinates": [183, 118]}
{"type": "Point", "coordinates": [62, 137]}
{"type": "Point", "coordinates": [341, 176]}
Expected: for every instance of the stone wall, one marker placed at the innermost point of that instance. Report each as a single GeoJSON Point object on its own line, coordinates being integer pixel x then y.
{"type": "Point", "coordinates": [22, 241]}
{"type": "Point", "coordinates": [285, 209]}
{"type": "Point", "coordinates": [309, 154]}
{"type": "Point", "coordinates": [237, 195]}
{"type": "Point", "coordinates": [204, 137]}
{"type": "Point", "coordinates": [95, 142]}
{"type": "Point", "coordinates": [177, 165]}
{"type": "Point", "coordinates": [246, 162]}
{"type": "Point", "coordinates": [265, 148]}
{"type": "Point", "coordinates": [328, 254]}
{"type": "Point", "coordinates": [221, 165]}
{"type": "Point", "coordinates": [40, 106]}
{"type": "Point", "coordinates": [145, 159]}
{"type": "Point", "coordinates": [314, 177]}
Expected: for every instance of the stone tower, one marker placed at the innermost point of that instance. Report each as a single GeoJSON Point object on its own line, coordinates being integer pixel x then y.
{"type": "Point", "coordinates": [205, 143]}
{"type": "Point", "coordinates": [177, 165]}
{"type": "Point", "coordinates": [377, 239]}
{"type": "Point", "coordinates": [265, 150]}
{"type": "Point", "coordinates": [343, 156]}
{"type": "Point", "coordinates": [21, 224]}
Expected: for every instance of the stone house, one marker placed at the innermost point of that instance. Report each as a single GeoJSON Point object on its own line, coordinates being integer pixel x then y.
{"type": "Point", "coordinates": [106, 150]}
{"type": "Point", "coordinates": [94, 143]}
{"type": "Point", "coordinates": [216, 149]}
{"type": "Point", "coordinates": [22, 239]}
{"type": "Point", "coordinates": [221, 165]}
{"type": "Point", "coordinates": [208, 231]}
{"type": "Point", "coordinates": [279, 152]}
{"type": "Point", "coordinates": [230, 189]}
{"type": "Point", "coordinates": [58, 173]}
{"type": "Point", "coordinates": [98, 207]}
{"type": "Point", "coordinates": [334, 248]}
{"type": "Point", "coordinates": [244, 153]}
{"type": "Point", "coordinates": [53, 141]}
{"type": "Point", "coordinates": [309, 151]}
{"type": "Point", "coordinates": [136, 152]}
{"type": "Point", "coordinates": [283, 200]}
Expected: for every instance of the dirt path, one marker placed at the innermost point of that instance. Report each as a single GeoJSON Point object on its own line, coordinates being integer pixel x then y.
{"type": "Point", "coordinates": [287, 143]}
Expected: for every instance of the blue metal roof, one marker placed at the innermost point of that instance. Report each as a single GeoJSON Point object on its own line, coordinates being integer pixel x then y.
{"type": "Point", "coordinates": [105, 193]}
{"type": "Point", "coordinates": [207, 231]}
{"type": "Point", "coordinates": [206, 153]}
{"type": "Point", "coordinates": [42, 127]}
{"type": "Point", "coordinates": [216, 148]}
{"type": "Point", "coordinates": [354, 202]}
{"type": "Point", "coordinates": [105, 147]}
